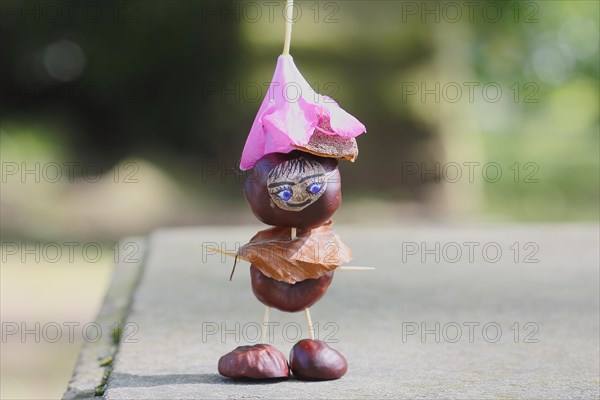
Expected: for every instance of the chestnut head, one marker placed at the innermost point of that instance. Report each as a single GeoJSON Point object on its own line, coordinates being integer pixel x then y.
{"type": "Point", "coordinates": [297, 189]}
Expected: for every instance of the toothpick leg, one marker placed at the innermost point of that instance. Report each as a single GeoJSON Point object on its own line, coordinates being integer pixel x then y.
{"type": "Point", "coordinates": [265, 322]}
{"type": "Point", "coordinates": [311, 330]}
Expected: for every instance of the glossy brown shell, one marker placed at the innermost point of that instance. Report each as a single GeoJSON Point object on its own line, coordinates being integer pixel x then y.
{"type": "Point", "coordinates": [260, 361]}
{"type": "Point", "coordinates": [314, 360]}
{"type": "Point", "coordinates": [288, 297]}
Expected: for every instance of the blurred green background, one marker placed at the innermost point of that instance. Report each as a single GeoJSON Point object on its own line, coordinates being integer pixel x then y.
{"type": "Point", "coordinates": [120, 117]}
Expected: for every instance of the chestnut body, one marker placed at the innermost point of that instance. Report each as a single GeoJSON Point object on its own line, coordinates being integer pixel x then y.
{"type": "Point", "coordinates": [320, 207]}
{"type": "Point", "coordinates": [287, 297]}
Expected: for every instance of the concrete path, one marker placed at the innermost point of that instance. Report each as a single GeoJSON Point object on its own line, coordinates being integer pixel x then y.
{"type": "Point", "coordinates": [493, 312]}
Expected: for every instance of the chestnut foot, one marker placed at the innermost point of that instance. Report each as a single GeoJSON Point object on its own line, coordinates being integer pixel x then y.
{"type": "Point", "coordinates": [313, 360]}
{"type": "Point", "coordinates": [260, 361]}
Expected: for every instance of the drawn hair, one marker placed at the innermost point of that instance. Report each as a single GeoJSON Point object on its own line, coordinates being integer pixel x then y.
{"type": "Point", "coordinates": [291, 167]}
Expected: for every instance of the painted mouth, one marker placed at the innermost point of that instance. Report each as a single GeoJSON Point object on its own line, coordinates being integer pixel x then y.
{"type": "Point", "coordinates": [299, 204]}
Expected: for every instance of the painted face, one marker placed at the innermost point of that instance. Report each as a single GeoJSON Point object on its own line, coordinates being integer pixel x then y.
{"type": "Point", "coordinates": [295, 184]}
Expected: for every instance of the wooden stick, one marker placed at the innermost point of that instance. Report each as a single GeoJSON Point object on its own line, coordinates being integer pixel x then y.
{"type": "Point", "coordinates": [354, 268]}
{"type": "Point", "coordinates": [218, 250]}
{"type": "Point", "coordinates": [288, 27]}
{"type": "Point", "coordinates": [311, 330]}
{"type": "Point", "coordinates": [265, 322]}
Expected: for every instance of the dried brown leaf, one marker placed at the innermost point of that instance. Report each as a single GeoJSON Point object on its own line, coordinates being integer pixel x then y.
{"type": "Point", "coordinates": [311, 255]}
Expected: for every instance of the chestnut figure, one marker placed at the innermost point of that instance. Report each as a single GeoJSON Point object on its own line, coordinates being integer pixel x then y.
{"type": "Point", "coordinates": [293, 150]}
{"type": "Point", "coordinates": [287, 297]}
{"type": "Point", "coordinates": [297, 189]}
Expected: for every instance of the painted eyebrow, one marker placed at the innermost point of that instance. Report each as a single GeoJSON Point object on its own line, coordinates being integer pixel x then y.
{"type": "Point", "coordinates": [275, 184]}
{"type": "Point", "coordinates": [310, 177]}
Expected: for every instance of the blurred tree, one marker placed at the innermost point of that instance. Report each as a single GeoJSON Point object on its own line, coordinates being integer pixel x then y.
{"type": "Point", "coordinates": [144, 65]}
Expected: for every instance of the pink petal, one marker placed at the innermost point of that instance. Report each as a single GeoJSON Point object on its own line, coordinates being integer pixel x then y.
{"type": "Point", "coordinates": [289, 114]}
{"type": "Point", "coordinates": [341, 122]}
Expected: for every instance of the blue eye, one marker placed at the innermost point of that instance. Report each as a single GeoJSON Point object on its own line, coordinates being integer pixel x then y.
{"type": "Point", "coordinates": [285, 194]}
{"type": "Point", "coordinates": [314, 188]}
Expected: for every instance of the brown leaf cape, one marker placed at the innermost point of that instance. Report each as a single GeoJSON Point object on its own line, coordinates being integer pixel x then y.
{"type": "Point", "coordinates": [311, 255]}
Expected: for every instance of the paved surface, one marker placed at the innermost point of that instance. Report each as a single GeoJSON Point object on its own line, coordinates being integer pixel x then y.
{"type": "Point", "coordinates": [527, 330]}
